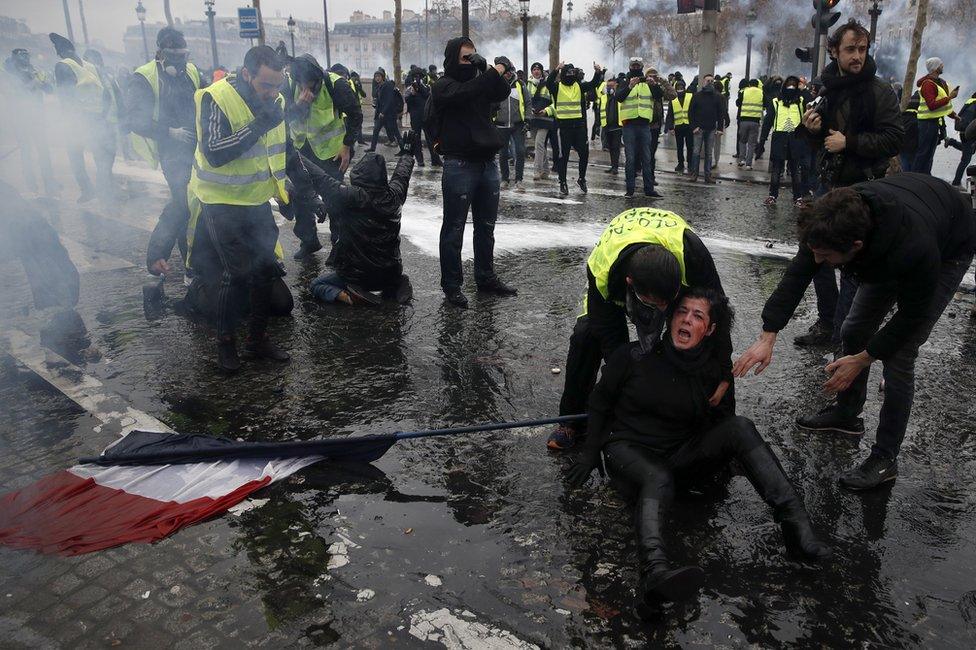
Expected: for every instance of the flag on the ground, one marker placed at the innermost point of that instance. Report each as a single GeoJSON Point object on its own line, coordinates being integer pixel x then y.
{"type": "Point", "coordinates": [89, 507]}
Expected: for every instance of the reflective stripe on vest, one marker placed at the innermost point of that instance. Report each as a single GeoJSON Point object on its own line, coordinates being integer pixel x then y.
{"type": "Point", "coordinates": [637, 104]}
{"type": "Point", "coordinates": [788, 116]}
{"type": "Point", "coordinates": [324, 127]}
{"type": "Point", "coordinates": [254, 177]}
{"type": "Point", "coordinates": [752, 103]}
{"type": "Point", "coordinates": [923, 106]}
{"type": "Point", "coordinates": [569, 102]}
{"type": "Point", "coordinates": [88, 86]}
{"type": "Point", "coordinates": [146, 147]}
{"type": "Point", "coordinates": [603, 99]}
{"type": "Point", "coordinates": [636, 226]}
{"type": "Point", "coordinates": [680, 110]}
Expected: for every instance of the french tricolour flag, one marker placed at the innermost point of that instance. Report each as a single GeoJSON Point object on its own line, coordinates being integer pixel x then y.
{"type": "Point", "coordinates": [90, 507]}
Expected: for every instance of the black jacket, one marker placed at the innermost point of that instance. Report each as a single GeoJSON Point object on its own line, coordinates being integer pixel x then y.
{"type": "Point", "coordinates": [368, 211]}
{"type": "Point", "coordinates": [386, 99]}
{"type": "Point", "coordinates": [608, 321]}
{"type": "Point", "coordinates": [865, 109]}
{"type": "Point", "coordinates": [919, 223]}
{"type": "Point", "coordinates": [462, 110]}
{"type": "Point", "coordinates": [708, 110]}
{"type": "Point", "coordinates": [176, 110]}
{"type": "Point", "coordinates": [345, 99]}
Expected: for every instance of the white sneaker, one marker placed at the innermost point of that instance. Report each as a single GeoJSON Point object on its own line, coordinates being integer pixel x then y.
{"type": "Point", "coordinates": [749, 168]}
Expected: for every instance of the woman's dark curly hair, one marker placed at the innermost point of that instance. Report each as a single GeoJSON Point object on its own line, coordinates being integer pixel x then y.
{"type": "Point", "coordinates": [720, 310]}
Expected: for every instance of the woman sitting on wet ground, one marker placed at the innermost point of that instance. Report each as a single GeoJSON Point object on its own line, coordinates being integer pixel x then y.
{"type": "Point", "coordinates": [649, 416]}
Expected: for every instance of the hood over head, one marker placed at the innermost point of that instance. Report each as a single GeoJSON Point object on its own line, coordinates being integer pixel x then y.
{"type": "Point", "coordinates": [62, 46]}
{"type": "Point", "coordinates": [305, 69]}
{"type": "Point", "coordinates": [451, 52]}
{"type": "Point", "coordinates": [170, 39]}
{"type": "Point", "coordinates": [340, 70]}
{"type": "Point", "coordinates": [370, 172]}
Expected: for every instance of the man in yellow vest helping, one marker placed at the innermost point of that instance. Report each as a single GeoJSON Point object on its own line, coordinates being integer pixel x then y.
{"type": "Point", "coordinates": [239, 165]}
{"type": "Point", "coordinates": [85, 104]}
{"type": "Point", "coordinates": [635, 271]}
{"type": "Point", "coordinates": [161, 119]}
{"type": "Point", "coordinates": [325, 118]}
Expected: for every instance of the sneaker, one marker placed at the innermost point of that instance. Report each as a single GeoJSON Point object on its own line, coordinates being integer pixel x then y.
{"type": "Point", "coordinates": [227, 359]}
{"type": "Point", "coordinates": [563, 188]}
{"type": "Point", "coordinates": [679, 168]}
{"type": "Point", "coordinates": [629, 194]}
{"type": "Point", "coordinates": [498, 288]}
{"type": "Point", "coordinates": [874, 471]}
{"type": "Point", "coordinates": [711, 181]}
{"type": "Point", "coordinates": [654, 194]}
{"type": "Point", "coordinates": [265, 348]}
{"type": "Point", "coordinates": [505, 185]}
{"type": "Point", "coordinates": [563, 437]}
{"type": "Point", "coordinates": [456, 298]}
{"type": "Point", "coordinates": [614, 171]}
{"type": "Point", "coordinates": [519, 187]}
{"type": "Point", "coordinates": [741, 163]}
{"type": "Point", "coordinates": [829, 420]}
{"type": "Point", "coordinates": [694, 178]}
{"type": "Point", "coordinates": [360, 296]}
{"type": "Point", "coordinates": [582, 184]}
{"type": "Point", "coordinates": [307, 249]}
{"type": "Point", "coordinates": [748, 168]}
{"type": "Point", "coordinates": [770, 200]}
{"type": "Point", "coordinates": [820, 333]}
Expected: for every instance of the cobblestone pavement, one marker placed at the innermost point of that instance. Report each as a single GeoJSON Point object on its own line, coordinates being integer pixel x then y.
{"type": "Point", "coordinates": [473, 541]}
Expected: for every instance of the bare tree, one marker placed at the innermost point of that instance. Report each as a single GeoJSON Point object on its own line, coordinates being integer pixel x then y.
{"type": "Point", "coordinates": [168, 12]}
{"type": "Point", "coordinates": [397, 34]}
{"type": "Point", "coordinates": [600, 17]}
{"type": "Point", "coordinates": [920, 17]}
{"type": "Point", "coordinates": [554, 30]}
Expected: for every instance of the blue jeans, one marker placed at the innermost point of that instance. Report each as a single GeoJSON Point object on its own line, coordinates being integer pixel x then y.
{"type": "Point", "coordinates": [514, 148]}
{"type": "Point", "coordinates": [327, 287]}
{"type": "Point", "coordinates": [637, 145]}
{"type": "Point", "coordinates": [703, 148]}
{"type": "Point", "coordinates": [465, 185]}
{"type": "Point", "coordinates": [871, 305]}
{"type": "Point", "coordinates": [928, 140]}
{"type": "Point", "coordinates": [968, 149]}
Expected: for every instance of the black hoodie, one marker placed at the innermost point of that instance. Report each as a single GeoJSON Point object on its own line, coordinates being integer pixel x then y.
{"type": "Point", "coordinates": [920, 222]}
{"type": "Point", "coordinates": [344, 99]}
{"type": "Point", "coordinates": [462, 108]}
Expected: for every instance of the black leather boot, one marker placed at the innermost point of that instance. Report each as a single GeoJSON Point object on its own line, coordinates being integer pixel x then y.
{"type": "Point", "coordinates": [767, 476]}
{"type": "Point", "coordinates": [659, 582]}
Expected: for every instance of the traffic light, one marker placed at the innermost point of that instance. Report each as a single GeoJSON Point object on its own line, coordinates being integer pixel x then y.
{"type": "Point", "coordinates": [690, 6]}
{"type": "Point", "coordinates": [805, 54]}
{"type": "Point", "coordinates": [824, 18]}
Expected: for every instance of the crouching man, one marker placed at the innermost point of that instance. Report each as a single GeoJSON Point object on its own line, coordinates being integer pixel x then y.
{"type": "Point", "coordinates": [368, 253]}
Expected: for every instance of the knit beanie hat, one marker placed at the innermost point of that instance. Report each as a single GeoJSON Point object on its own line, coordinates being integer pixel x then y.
{"type": "Point", "coordinates": [933, 64]}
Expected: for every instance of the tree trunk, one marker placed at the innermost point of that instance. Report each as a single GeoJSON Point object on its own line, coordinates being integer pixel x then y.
{"type": "Point", "coordinates": [169, 14]}
{"type": "Point", "coordinates": [920, 17]}
{"type": "Point", "coordinates": [554, 30]}
{"type": "Point", "coordinates": [397, 33]}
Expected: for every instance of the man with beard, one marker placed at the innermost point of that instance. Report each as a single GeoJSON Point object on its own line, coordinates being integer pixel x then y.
{"type": "Point", "coordinates": [857, 128]}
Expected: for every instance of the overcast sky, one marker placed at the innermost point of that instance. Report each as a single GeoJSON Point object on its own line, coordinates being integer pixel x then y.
{"type": "Point", "coordinates": [107, 19]}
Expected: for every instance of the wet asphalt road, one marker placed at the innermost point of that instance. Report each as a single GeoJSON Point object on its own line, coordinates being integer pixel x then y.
{"type": "Point", "coordinates": [476, 540]}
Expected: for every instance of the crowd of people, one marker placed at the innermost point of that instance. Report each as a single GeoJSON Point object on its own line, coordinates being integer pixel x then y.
{"type": "Point", "coordinates": [662, 414]}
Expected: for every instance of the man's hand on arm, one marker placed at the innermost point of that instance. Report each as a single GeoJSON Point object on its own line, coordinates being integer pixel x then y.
{"type": "Point", "coordinates": [845, 370]}
{"type": "Point", "coordinates": [758, 356]}
{"type": "Point", "coordinates": [835, 142]}
{"type": "Point", "coordinates": [343, 157]}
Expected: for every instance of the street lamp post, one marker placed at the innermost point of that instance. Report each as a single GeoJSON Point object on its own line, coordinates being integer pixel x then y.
{"type": "Point", "coordinates": [67, 21]}
{"type": "Point", "coordinates": [875, 13]}
{"type": "Point", "coordinates": [750, 19]}
{"type": "Point", "coordinates": [569, 9]}
{"type": "Point", "coordinates": [524, 5]}
{"type": "Point", "coordinates": [141, 15]}
{"type": "Point", "coordinates": [325, 14]}
{"type": "Point", "coordinates": [291, 32]}
{"type": "Point", "coordinates": [210, 13]}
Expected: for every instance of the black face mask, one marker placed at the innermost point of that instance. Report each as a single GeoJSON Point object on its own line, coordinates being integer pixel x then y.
{"type": "Point", "coordinates": [649, 321]}
{"type": "Point", "coordinates": [791, 93]}
{"type": "Point", "coordinates": [567, 77]}
{"type": "Point", "coordinates": [465, 72]}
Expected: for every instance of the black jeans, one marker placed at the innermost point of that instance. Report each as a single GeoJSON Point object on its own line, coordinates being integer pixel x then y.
{"type": "Point", "coordinates": [243, 238]}
{"type": "Point", "coordinates": [929, 134]}
{"type": "Point", "coordinates": [468, 185]}
{"type": "Point", "coordinates": [613, 137]}
{"type": "Point", "coordinates": [170, 230]}
{"type": "Point", "coordinates": [389, 122]}
{"type": "Point", "coordinates": [305, 219]}
{"type": "Point", "coordinates": [872, 302]}
{"type": "Point", "coordinates": [582, 367]}
{"type": "Point", "coordinates": [684, 140]}
{"type": "Point", "coordinates": [514, 148]}
{"type": "Point", "coordinates": [798, 176]}
{"type": "Point", "coordinates": [573, 137]}
{"type": "Point", "coordinates": [967, 149]}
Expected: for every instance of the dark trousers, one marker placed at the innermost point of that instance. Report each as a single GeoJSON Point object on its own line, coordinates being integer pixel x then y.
{"type": "Point", "coordinates": [582, 367]}
{"type": "Point", "coordinates": [637, 143]}
{"type": "Point", "coordinates": [305, 219]}
{"type": "Point", "coordinates": [389, 122]}
{"type": "Point", "coordinates": [929, 134]}
{"type": "Point", "coordinates": [614, 138]}
{"type": "Point", "coordinates": [872, 303]}
{"type": "Point", "coordinates": [417, 125]}
{"type": "Point", "coordinates": [684, 140]}
{"type": "Point", "coordinates": [572, 138]}
{"type": "Point", "coordinates": [170, 230]}
{"type": "Point", "coordinates": [553, 139]}
{"type": "Point", "coordinates": [968, 148]}
{"type": "Point", "coordinates": [797, 176]}
{"type": "Point", "coordinates": [514, 148]}
{"type": "Point", "coordinates": [468, 185]}
{"type": "Point", "coordinates": [833, 304]}
{"type": "Point", "coordinates": [100, 138]}
{"type": "Point", "coordinates": [243, 238]}
{"type": "Point", "coordinates": [595, 129]}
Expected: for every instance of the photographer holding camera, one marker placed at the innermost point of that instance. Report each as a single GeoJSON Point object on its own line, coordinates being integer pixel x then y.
{"type": "Point", "coordinates": [460, 126]}
{"type": "Point", "coordinates": [856, 126]}
{"type": "Point", "coordinates": [415, 96]}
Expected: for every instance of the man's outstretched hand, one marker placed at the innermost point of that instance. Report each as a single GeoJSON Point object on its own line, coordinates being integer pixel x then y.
{"type": "Point", "coordinates": [758, 356]}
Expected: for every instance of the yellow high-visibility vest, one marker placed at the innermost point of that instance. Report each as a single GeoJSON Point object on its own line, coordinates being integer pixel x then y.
{"type": "Point", "coordinates": [88, 86]}
{"type": "Point", "coordinates": [752, 103]}
{"type": "Point", "coordinates": [638, 103]}
{"type": "Point", "coordinates": [636, 226]}
{"type": "Point", "coordinates": [603, 99]}
{"type": "Point", "coordinates": [255, 177]}
{"type": "Point", "coordinates": [680, 110]}
{"type": "Point", "coordinates": [569, 102]}
{"type": "Point", "coordinates": [788, 116]}
{"type": "Point", "coordinates": [146, 147]}
{"type": "Point", "coordinates": [924, 113]}
{"type": "Point", "coordinates": [324, 127]}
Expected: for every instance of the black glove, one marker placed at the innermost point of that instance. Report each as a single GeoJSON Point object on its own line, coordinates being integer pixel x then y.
{"type": "Point", "coordinates": [503, 60]}
{"type": "Point", "coordinates": [318, 209]}
{"type": "Point", "coordinates": [760, 150]}
{"type": "Point", "coordinates": [477, 61]}
{"type": "Point", "coordinates": [580, 472]}
{"type": "Point", "coordinates": [411, 140]}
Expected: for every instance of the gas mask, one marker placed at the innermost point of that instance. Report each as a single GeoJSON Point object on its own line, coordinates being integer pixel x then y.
{"type": "Point", "coordinates": [173, 61]}
{"type": "Point", "coordinates": [567, 76]}
{"type": "Point", "coordinates": [648, 319]}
